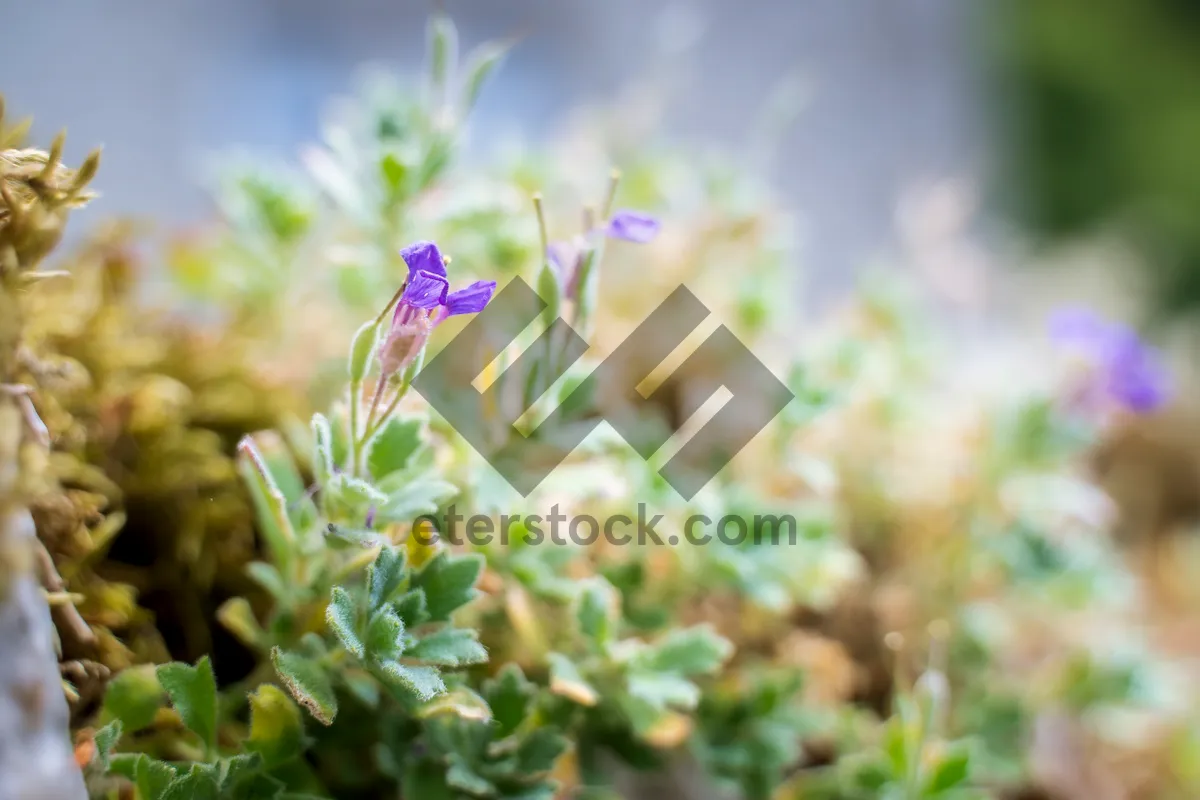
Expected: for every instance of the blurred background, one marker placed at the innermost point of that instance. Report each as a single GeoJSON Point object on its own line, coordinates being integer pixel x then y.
{"type": "Point", "coordinates": [1065, 121]}
{"type": "Point", "coordinates": [889, 92]}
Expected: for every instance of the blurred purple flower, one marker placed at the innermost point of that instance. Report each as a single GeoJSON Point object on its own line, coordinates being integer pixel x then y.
{"type": "Point", "coordinates": [425, 303]}
{"type": "Point", "coordinates": [632, 226]}
{"type": "Point", "coordinates": [1125, 370]}
{"type": "Point", "coordinates": [566, 257]}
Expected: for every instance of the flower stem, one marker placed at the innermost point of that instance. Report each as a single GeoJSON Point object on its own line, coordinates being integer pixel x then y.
{"type": "Point", "coordinates": [355, 402]}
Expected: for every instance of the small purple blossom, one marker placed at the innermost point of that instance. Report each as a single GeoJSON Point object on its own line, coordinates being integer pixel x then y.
{"type": "Point", "coordinates": [632, 226]}
{"type": "Point", "coordinates": [425, 303]}
{"type": "Point", "coordinates": [566, 257]}
{"type": "Point", "coordinates": [1124, 369]}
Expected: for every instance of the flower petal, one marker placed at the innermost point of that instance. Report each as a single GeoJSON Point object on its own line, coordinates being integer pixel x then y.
{"type": "Point", "coordinates": [1134, 375]}
{"type": "Point", "coordinates": [471, 299]}
{"type": "Point", "coordinates": [632, 226]}
{"type": "Point", "coordinates": [1079, 327]}
{"type": "Point", "coordinates": [424, 256]}
{"type": "Point", "coordinates": [424, 290]}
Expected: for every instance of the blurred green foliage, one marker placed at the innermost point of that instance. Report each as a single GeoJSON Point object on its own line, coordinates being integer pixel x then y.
{"type": "Point", "coordinates": [1099, 124]}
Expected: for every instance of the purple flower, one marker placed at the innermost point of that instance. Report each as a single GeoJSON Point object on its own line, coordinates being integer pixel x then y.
{"type": "Point", "coordinates": [1124, 370]}
{"type": "Point", "coordinates": [567, 257]}
{"type": "Point", "coordinates": [425, 303]}
{"type": "Point", "coordinates": [632, 226]}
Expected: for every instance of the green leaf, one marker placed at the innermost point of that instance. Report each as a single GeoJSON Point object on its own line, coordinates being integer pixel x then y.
{"type": "Point", "coordinates": [539, 750]}
{"type": "Point", "coordinates": [266, 576]}
{"type": "Point", "coordinates": [238, 618]}
{"type": "Point", "coordinates": [693, 651]}
{"type": "Point", "coordinates": [239, 768]}
{"type": "Point", "coordinates": [393, 446]}
{"type": "Point", "coordinates": [597, 609]}
{"type": "Point", "coordinates": [551, 291]}
{"type": "Point", "coordinates": [197, 784]}
{"type": "Point", "coordinates": [951, 771]}
{"type": "Point", "coordinates": [449, 582]}
{"type": "Point", "coordinates": [416, 498]}
{"type": "Point", "coordinates": [307, 682]}
{"type": "Point", "coordinates": [323, 461]}
{"type": "Point", "coordinates": [664, 689]}
{"type": "Point", "coordinates": [443, 50]}
{"type": "Point", "coordinates": [421, 683]}
{"type": "Point", "coordinates": [412, 608]}
{"type": "Point", "coordinates": [349, 498]}
{"type": "Point", "coordinates": [362, 349]}
{"type": "Point", "coordinates": [270, 506]}
{"type": "Point", "coordinates": [342, 616]}
{"type": "Point", "coordinates": [133, 697]}
{"type": "Point", "coordinates": [153, 777]}
{"type": "Point", "coordinates": [393, 171]}
{"type": "Point", "coordinates": [460, 777]}
{"type": "Point", "coordinates": [106, 739]}
{"type": "Point", "coordinates": [480, 63]}
{"type": "Point", "coordinates": [257, 787]}
{"type": "Point", "coordinates": [509, 695]}
{"type": "Point", "coordinates": [276, 727]}
{"type": "Point", "coordinates": [385, 635]}
{"type": "Point", "coordinates": [895, 746]}
{"type": "Point", "coordinates": [385, 576]}
{"type": "Point", "coordinates": [193, 692]}
{"type": "Point", "coordinates": [866, 771]}
{"type": "Point", "coordinates": [449, 647]}
{"type": "Point", "coordinates": [426, 780]}
{"type": "Point", "coordinates": [566, 681]}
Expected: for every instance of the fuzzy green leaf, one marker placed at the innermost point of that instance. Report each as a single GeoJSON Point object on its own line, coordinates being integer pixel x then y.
{"type": "Point", "coordinates": [133, 697]}
{"type": "Point", "coordinates": [415, 499]}
{"type": "Point", "coordinates": [449, 647]}
{"type": "Point", "coordinates": [342, 617]}
{"type": "Point", "coordinates": [385, 576]}
{"type": "Point", "coordinates": [197, 784]}
{"type": "Point", "coordinates": [349, 498]}
{"type": "Point", "coordinates": [393, 446]}
{"type": "Point", "coordinates": [239, 768]}
{"type": "Point", "coordinates": [509, 695]}
{"type": "Point", "coordinates": [193, 693]}
{"type": "Point", "coordinates": [362, 348]}
{"type": "Point", "coordinates": [276, 727]}
{"type": "Point", "coordinates": [420, 683]}
{"type": "Point", "coordinates": [412, 608]}
{"type": "Point", "coordinates": [106, 739]}
{"type": "Point", "coordinates": [385, 635]}
{"type": "Point", "coordinates": [693, 651]}
{"type": "Point", "coordinates": [323, 461]}
{"type": "Point", "coordinates": [449, 583]}
{"type": "Point", "coordinates": [307, 682]}
{"type": "Point", "coordinates": [153, 777]}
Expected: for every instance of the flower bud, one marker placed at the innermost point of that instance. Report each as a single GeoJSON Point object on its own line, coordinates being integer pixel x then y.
{"type": "Point", "coordinates": [403, 343]}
